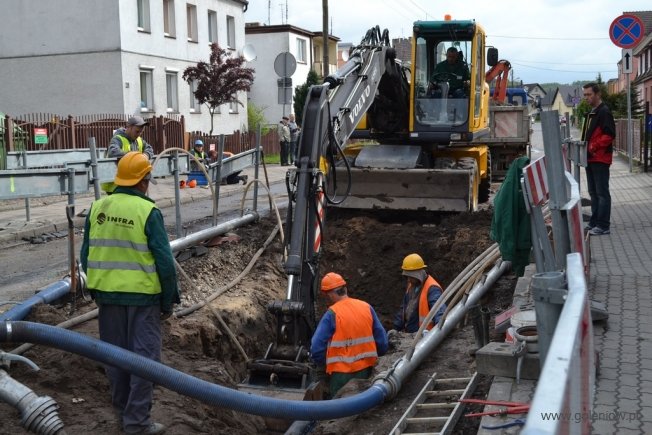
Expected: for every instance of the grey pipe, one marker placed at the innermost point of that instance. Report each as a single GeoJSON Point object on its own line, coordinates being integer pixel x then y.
{"type": "Point", "coordinates": [38, 414]}
{"type": "Point", "coordinates": [195, 238]}
{"type": "Point", "coordinates": [393, 378]}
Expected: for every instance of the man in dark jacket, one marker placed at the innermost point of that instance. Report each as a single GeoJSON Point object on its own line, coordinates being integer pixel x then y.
{"type": "Point", "coordinates": [599, 132]}
{"type": "Point", "coordinates": [131, 275]}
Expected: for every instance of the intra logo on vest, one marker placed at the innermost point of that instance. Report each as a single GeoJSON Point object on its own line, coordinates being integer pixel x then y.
{"type": "Point", "coordinates": [101, 218]}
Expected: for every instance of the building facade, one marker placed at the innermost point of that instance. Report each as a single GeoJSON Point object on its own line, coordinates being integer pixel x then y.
{"type": "Point", "coordinates": [127, 56]}
{"type": "Point", "coordinates": [306, 47]}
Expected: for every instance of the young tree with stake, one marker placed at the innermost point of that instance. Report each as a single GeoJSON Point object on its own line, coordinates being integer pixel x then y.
{"type": "Point", "coordinates": [219, 80]}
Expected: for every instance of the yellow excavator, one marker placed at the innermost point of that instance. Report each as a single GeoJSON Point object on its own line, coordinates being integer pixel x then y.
{"type": "Point", "coordinates": [428, 147]}
{"type": "Point", "coordinates": [435, 144]}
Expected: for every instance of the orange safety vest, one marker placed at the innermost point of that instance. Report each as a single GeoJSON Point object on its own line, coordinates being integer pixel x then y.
{"type": "Point", "coordinates": [352, 347]}
{"type": "Point", "coordinates": [423, 301]}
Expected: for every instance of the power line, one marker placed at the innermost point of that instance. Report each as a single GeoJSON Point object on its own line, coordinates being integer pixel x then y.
{"type": "Point", "coordinates": [563, 63]}
{"type": "Point", "coordinates": [564, 71]}
{"type": "Point", "coordinates": [547, 38]}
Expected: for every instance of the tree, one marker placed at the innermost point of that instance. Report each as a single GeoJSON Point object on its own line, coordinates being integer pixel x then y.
{"type": "Point", "coordinates": [301, 92]}
{"type": "Point", "coordinates": [255, 116]}
{"type": "Point", "coordinates": [219, 80]}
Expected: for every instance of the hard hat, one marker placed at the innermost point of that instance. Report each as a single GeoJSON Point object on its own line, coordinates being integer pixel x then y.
{"type": "Point", "coordinates": [332, 281]}
{"type": "Point", "coordinates": [192, 183]}
{"type": "Point", "coordinates": [199, 143]}
{"type": "Point", "coordinates": [132, 168]}
{"type": "Point", "coordinates": [413, 262]}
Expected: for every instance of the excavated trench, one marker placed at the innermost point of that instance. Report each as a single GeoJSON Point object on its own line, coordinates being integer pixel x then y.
{"type": "Point", "coordinates": [366, 249]}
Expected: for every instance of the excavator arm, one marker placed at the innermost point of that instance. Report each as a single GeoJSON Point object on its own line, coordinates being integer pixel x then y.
{"type": "Point", "coordinates": [500, 72]}
{"type": "Point", "coordinates": [331, 113]}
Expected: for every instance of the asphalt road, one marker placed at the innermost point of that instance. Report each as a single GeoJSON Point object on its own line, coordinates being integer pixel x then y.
{"type": "Point", "coordinates": [27, 268]}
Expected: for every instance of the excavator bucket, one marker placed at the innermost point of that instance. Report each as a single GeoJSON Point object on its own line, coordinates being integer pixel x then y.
{"type": "Point", "coordinates": [450, 186]}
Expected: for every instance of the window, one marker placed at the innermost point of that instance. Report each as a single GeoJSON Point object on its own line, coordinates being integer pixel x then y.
{"type": "Point", "coordinates": [146, 91]}
{"type": "Point", "coordinates": [230, 32]}
{"type": "Point", "coordinates": [212, 26]}
{"type": "Point", "coordinates": [233, 106]}
{"type": "Point", "coordinates": [191, 18]}
{"type": "Point", "coordinates": [301, 50]}
{"type": "Point", "coordinates": [171, 85]}
{"type": "Point", "coordinates": [143, 15]}
{"type": "Point", "coordinates": [168, 18]}
{"type": "Point", "coordinates": [194, 104]}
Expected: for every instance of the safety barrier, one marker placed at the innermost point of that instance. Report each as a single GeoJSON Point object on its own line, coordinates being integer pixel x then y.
{"type": "Point", "coordinates": [563, 398]}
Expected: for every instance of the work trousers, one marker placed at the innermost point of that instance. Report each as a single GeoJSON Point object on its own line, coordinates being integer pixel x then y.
{"type": "Point", "coordinates": [137, 329]}
{"type": "Point", "coordinates": [338, 379]}
{"type": "Point", "coordinates": [597, 180]}
{"type": "Point", "coordinates": [293, 151]}
{"type": "Point", "coordinates": [285, 149]}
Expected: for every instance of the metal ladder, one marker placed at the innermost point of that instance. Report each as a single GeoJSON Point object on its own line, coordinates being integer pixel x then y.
{"type": "Point", "coordinates": [436, 409]}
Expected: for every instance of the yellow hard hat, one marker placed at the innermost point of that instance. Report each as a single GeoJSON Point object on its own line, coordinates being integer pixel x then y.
{"type": "Point", "coordinates": [132, 168]}
{"type": "Point", "coordinates": [332, 281]}
{"type": "Point", "coordinates": [413, 262]}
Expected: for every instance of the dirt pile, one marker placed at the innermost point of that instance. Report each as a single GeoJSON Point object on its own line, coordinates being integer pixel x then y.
{"type": "Point", "coordinates": [365, 250]}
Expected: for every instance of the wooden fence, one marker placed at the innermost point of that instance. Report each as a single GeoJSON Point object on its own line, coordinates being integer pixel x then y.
{"type": "Point", "coordinates": [71, 132]}
{"type": "Point", "coordinates": [239, 141]}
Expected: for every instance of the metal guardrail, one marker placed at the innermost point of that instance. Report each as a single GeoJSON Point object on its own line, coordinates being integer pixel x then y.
{"type": "Point", "coordinates": [563, 399]}
{"type": "Point", "coordinates": [106, 168]}
{"type": "Point", "coordinates": [232, 165]}
{"type": "Point", "coordinates": [48, 158]}
{"type": "Point", "coordinates": [34, 183]}
{"type": "Point", "coordinates": [24, 180]}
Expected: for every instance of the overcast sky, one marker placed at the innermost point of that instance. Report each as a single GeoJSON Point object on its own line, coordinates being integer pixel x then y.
{"type": "Point", "coordinates": [545, 40]}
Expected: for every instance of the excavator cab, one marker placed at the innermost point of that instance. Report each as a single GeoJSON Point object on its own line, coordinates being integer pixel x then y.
{"type": "Point", "coordinates": [449, 87]}
{"type": "Point", "coordinates": [443, 83]}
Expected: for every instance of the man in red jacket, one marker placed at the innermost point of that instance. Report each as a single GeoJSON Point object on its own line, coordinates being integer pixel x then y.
{"type": "Point", "coordinates": [599, 132]}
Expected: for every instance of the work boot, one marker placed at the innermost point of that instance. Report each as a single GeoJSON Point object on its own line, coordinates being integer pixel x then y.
{"type": "Point", "coordinates": [244, 179]}
{"type": "Point", "coordinates": [152, 429]}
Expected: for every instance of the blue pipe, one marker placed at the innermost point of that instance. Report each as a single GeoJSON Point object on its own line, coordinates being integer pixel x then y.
{"type": "Point", "coordinates": [45, 296]}
{"type": "Point", "coordinates": [187, 385]}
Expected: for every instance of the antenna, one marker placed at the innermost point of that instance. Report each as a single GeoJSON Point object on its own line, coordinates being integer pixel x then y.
{"type": "Point", "coordinates": [281, 5]}
{"type": "Point", "coordinates": [331, 32]}
{"type": "Point", "coordinates": [269, 11]}
{"type": "Point", "coordinates": [286, 11]}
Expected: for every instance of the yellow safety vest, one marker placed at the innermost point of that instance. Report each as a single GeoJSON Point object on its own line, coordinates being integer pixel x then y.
{"type": "Point", "coordinates": [126, 145]}
{"type": "Point", "coordinates": [119, 259]}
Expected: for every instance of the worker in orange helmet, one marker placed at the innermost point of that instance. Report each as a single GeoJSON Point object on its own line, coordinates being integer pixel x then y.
{"type": "Point", "coordinates": [349, 337]}
{"type": "Point", "coordinates": [420, 296]}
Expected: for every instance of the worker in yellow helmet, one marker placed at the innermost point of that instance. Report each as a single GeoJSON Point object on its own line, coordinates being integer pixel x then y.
{"type": "Point", "coordinates": [131, 275]}
{"type": "Point", "coordinates": [349, 337]}
{"type": "Point", "coordinates": [421, 294]}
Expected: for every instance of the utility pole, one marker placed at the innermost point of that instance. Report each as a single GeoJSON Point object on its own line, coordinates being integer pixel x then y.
{"type": "Point", "coordinates": [325, 30]}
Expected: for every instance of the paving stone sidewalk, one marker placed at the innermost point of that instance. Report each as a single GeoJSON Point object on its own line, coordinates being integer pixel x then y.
{"type": "Point", "coordinates": [621, 278]}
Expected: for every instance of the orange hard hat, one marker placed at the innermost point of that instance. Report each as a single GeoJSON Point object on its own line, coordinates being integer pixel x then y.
{"type": "Point", "coordinates": [332, 281]}
{"type": "Point", "coordinates": [192, 183]}
{"type": "Point", "coordinates": [132, 168]}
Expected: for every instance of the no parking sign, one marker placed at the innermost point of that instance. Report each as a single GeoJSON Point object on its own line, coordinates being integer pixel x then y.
{"type": "Point", "coordinates": [627, 31]}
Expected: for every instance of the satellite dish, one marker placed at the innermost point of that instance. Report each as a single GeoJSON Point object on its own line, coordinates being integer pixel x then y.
{"type": "Point", "coordinates": [345, 55]}
{"type": "Point", "coordinates": [249, 52]}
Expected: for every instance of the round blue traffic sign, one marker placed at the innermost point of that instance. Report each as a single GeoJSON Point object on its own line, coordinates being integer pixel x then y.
{"type": "Point", "coordinates": [627, 31]}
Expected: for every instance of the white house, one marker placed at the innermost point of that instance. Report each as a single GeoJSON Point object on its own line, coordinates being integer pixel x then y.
{"type": "Point", "coordinates": [127, 56]}
{"type": "Point", "coordinates": [268, 42]}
